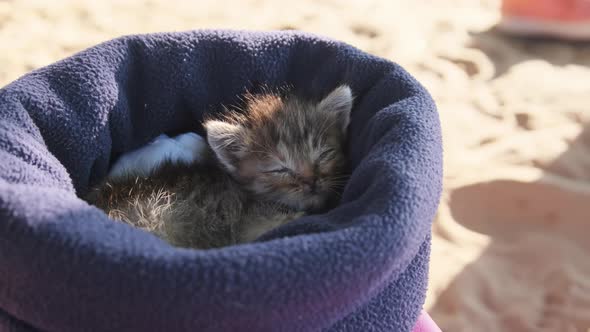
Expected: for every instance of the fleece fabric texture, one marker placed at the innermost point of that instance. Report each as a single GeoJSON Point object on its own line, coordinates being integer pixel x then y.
{"type": "Point", "coordinates": [66, 267]}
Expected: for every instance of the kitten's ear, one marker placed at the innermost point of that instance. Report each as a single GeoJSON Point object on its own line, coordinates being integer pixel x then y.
{"type": "Point", "coordinates": [224, 139]}
{"type": "Point", "coordinates": [340, 101]}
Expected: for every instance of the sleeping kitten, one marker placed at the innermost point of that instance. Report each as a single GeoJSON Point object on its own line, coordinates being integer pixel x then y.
{"type": "Point", "coordinates": [280, 158]}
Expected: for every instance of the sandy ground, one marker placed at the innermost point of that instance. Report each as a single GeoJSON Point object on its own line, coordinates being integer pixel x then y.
{"type": "Point", "coordinates": [511, 242]}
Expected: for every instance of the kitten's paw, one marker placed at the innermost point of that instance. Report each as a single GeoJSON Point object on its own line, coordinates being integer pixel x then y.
{"type": "Point", "coordinates": [184, 148]}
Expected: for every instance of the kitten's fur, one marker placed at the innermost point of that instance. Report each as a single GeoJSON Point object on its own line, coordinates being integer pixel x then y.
{"type": "Point", "coordinates": [278, 159]}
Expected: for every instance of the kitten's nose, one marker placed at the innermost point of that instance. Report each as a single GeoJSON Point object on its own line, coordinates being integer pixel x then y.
{"type": "Point", "coordinates": [312, 184]}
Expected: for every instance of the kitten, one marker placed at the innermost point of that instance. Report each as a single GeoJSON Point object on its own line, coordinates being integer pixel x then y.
{"type": "Point", "coordinates": [278, 159]}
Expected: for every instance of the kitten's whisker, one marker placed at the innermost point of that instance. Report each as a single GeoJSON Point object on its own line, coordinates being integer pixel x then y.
{"type": "Point", "coordinates": [340, 181]}
{"type": "Point", "coordinates": [337, 184]}
{"type": "Point", "coordinates": [336, 189]}
{"type": "Point", "coordinates": [344, 177]}
{"type": "Point", "coordinates": [337, 193]}
{"type": "Point", "coordinates": [337, 181]}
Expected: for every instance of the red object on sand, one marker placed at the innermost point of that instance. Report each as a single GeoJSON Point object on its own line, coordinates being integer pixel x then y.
{"type": "Point", "coordinates": [565, 19]}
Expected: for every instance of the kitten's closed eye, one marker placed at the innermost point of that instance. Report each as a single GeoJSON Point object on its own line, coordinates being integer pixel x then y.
{"type": "Point", "coordinates": [325, 154]}
{"type": "Point", "coordinates": [278, 171]}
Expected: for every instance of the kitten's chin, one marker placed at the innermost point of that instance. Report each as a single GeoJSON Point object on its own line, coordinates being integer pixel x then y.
{"type": "Point", "coordinates": [309, 204]}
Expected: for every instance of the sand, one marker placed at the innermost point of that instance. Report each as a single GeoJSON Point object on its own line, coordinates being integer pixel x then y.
{"type": "Point", "coordinates": [511, 242]}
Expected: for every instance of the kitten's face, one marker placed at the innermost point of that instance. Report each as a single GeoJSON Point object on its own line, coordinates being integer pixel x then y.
{"type": "Point", "coordinates": [286, 150]}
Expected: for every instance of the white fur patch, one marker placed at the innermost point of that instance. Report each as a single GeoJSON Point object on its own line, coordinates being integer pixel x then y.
{"type": "Point", "coordinates": [184, 148]}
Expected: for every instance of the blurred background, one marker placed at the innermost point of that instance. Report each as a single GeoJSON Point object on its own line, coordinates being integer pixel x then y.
{"type": "Point", "coordinates": [511, 241]}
